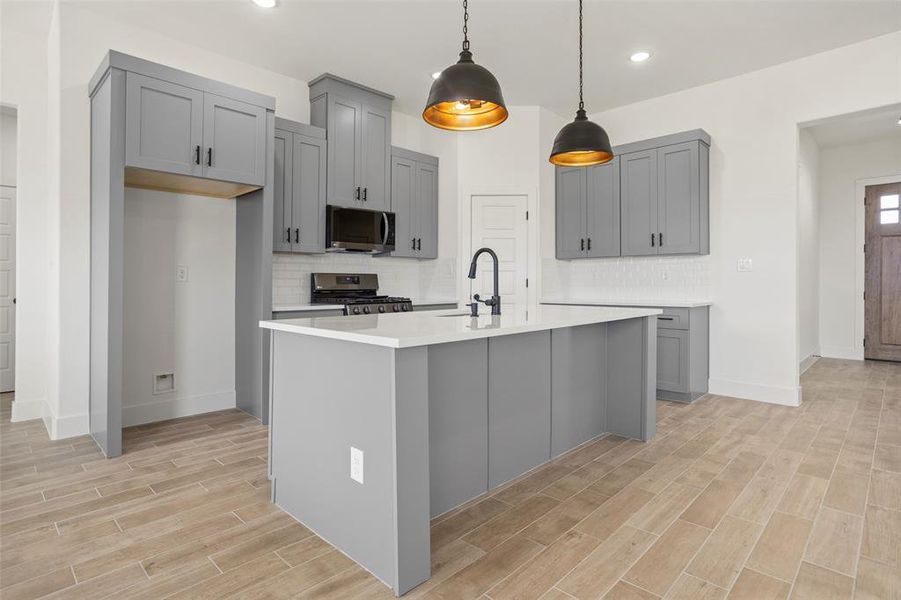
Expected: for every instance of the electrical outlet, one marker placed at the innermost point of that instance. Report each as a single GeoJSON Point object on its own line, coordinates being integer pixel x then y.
{"type": "Point", "coordinates": [745, 265]}
{"type": "Point", "coordinates": [356, 464]}
{"type": "Point", "coordinates": [181, 273]}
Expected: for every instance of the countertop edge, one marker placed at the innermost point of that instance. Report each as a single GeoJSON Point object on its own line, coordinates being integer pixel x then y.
{"type": "Point", "coordinates": [629, 303]}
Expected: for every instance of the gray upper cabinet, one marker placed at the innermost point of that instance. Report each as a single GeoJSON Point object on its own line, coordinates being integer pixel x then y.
{"type": "Point", "coordinates": [414, 201]}
{"type": "Point", "coordinates": [177, 129]}
{"type": "Point", "coordinates": [234, 134]}
{"type": "Point", "coordinates": [588, 211]}
{"type": "Point", "coordinates": [652, 199]}
{"type": "Point", "coordinates": [665, 195]}
{"type": "Point", "coordinates": [164, 126]}
{"type": "Point", "coordinates": [638, 181]}
{"type": "Point", "coordinates": [300, 183]}
{"type": "Point", "coordinates": [283, 230]}
{"type": "Point", "coordinates": [571, 194]}
{"type": "Point", "coordinates": [358, 124]}
{"type": "Point", "coordinates": [376, 158]}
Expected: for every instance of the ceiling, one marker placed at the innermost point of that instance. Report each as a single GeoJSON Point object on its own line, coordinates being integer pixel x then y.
{"type": "Point", "coordinates": [530, 45]}
{"type": "Point", "coordinates": [855, 128]}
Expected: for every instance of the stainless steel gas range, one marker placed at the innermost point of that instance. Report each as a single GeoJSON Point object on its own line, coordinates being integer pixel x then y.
{"type": "Point", "coordinates": [358, 292]}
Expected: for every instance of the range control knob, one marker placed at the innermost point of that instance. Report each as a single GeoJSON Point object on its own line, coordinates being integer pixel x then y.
{"type": "Point", "coordinates": [404, 307]}
{"type": "Point", "coordinates": [356, 310]}
{"type": "Point", "coordinates": [395, 308]}
{"type": "Point", "coordinates": [381, 309]}
{"type": "Point", "coordinates": [367, 310]}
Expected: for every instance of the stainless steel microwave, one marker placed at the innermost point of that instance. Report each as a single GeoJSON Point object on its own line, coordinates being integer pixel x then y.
{"type": "Point", "coordinates": [358, 230]}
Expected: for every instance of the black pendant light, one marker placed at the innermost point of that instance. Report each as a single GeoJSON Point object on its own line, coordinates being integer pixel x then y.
{"type": "Point", "coordinates": [581, 143]}
{"type": "Point", "coordinates": [465, 96]}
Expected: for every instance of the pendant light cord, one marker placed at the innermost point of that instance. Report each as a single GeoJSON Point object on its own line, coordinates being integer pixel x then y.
{"type": "Point", "coordinates": [581, 102]}
{"type": "Point", "coordinates": [466, 25]}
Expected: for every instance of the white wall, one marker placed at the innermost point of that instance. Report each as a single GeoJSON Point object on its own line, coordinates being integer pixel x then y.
{"type": "Point", "coordinates": [840, 330]}
{"type": "Point", "coordinates": [8, 142]}
{"type": "Point", "coordinates": [752, 120]}
{"type": "Point", "coordinates": [173, 326]}
{"type": "Point", "coordinates": [808, 249]}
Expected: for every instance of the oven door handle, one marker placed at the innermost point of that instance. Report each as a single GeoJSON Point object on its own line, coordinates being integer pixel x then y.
{"type": "Point", "coordinates": [385, 237]}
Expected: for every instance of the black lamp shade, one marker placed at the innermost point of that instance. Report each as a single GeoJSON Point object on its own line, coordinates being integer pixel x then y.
{"type": "Point", "coordinates": [465, 97]}
{"type": "Point", "coordinates": [581, 143]}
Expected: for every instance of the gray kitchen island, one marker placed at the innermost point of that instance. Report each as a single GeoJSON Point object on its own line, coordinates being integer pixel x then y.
{"type": "Point", "coordinates": [381, 422]}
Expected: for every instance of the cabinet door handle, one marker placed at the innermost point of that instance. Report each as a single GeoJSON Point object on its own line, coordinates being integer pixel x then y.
{"type": "Point", "coordinates": [289, 235]}
{"type": "Point", "coordinates": [660, 239]}
{"type": "Point", "coordinates": [209, 156]}
{"type": "Point", "coordinates": [364, 194]}
{"type": "Point", "coordinates": [197, 155]}
{"type": "Point", "coordinates": [581, 244]}
{"type": "Point", "coordinates": [358, 193]}
{"type": "Point", "coordinates": [664, 318]}
{"type": "Point", "coordinates": [419, 244]}
{"type": "Point", "coordinates": [296, 235]}
{"type": "Point", "coordinates": [413, 247]}
{"type": "Point", "coordinates": [652, 240]}
{"type": "Point", "coordinates": [589, 244]}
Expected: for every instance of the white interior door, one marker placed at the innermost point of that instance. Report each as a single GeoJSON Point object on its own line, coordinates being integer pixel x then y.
{"type": "Point", "coordinates": [499, 222]}
{"type": "Point", "coordinates": [7, 288]}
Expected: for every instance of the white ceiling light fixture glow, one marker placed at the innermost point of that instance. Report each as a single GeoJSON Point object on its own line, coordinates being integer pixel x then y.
{"type": "Point", "coordinates": [265, 3]}
{"type": "Point", "coordinates": [639, 57]}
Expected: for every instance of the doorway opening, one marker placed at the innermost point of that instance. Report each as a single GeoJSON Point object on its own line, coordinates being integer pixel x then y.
{"type": "Point", "coordinates": [845, 165]}
{"type": "Point", "coordinates": [8, 166]}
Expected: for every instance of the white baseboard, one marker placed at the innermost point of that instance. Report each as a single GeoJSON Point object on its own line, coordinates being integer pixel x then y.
{"type": "Point", "coordinates": [172, 408]}
{"type": "Point", "coordinates": [68, 426]}
{"type": "Point", "coordinates": [808, 362]}
{"type": "Point", "coordinates": [772, 394]}
{"type": "Point", "coordinates": [25, 410]}
{"type": "Point", "coordinates": [843, 352]}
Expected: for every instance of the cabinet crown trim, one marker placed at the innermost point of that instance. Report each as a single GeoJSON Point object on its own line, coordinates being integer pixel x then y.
{"type": "Point", "coordinates": [133, 64]}
{"type": "Point", "coordinates": [324, 81]}
{"type": "Point", "coordinates": [300, 128]}
{"type": "Point", "coordinates": [694, 135]}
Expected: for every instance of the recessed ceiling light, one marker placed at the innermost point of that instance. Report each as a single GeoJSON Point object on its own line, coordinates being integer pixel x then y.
{"type": "Point", "coordinates": [436, 74]}
{"type": "Point", "coordinates": [640, 57]}
{"type": "Point", "coordinates": [265, 3]}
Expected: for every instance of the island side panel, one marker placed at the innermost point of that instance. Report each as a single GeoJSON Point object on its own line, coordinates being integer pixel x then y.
{"type": "Point", "coordinates": [458, 423]}
{"type": "Point", "coordinates": [578, 385]}
{"type": "Point", "coordinates": [632, 378]}
{"type": "Point", "coordinates": [327, 396]}
{"type": "Point", "coordinates": [411, 418]}
{"type": "Point", "coordinates": [519, 404]}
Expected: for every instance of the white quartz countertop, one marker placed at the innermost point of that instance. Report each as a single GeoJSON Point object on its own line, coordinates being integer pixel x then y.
{"type": "Point", "coordinates": [406, 330]}
{"type": "Point", "coordinates": [315, 307]}
{"type": "Point", "coordinates": [656, 302]}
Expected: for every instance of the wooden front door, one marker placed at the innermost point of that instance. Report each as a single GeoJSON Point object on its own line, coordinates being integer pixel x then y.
{"type": "Point", "coordinates": [882, 297]}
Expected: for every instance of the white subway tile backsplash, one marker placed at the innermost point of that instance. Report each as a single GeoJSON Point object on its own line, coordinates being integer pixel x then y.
{"type": "Point", "coordinates": [397, 276]}
{"type": "Point", "coordinates": [674, 277]}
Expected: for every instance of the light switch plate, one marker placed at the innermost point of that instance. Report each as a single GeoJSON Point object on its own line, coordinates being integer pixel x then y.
{"type": "Point", "coordinates": [181, 273]}
{"type": "Point", "coordinates": [745, 265]}
{"type": "Point", "coordinates": [356, 464]}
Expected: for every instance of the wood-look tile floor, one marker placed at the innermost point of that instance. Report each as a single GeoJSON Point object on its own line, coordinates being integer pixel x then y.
{"type": "Point", "coordinates": [733, 499]}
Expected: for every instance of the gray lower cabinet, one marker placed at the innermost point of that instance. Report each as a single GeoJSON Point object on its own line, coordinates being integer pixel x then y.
{"type": "Point", "coordinates": [683, 353]}
{"type": "Point", "coordinates": [299, 195]}
{"type": "Point", "coordinates": [588, 211]}
{"type": "Point", "coordinates": [414, 201]}
{"type": "Point", "coordinates": [358, 124]}
{"type": "Point", "coordinates": [176, 129]}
